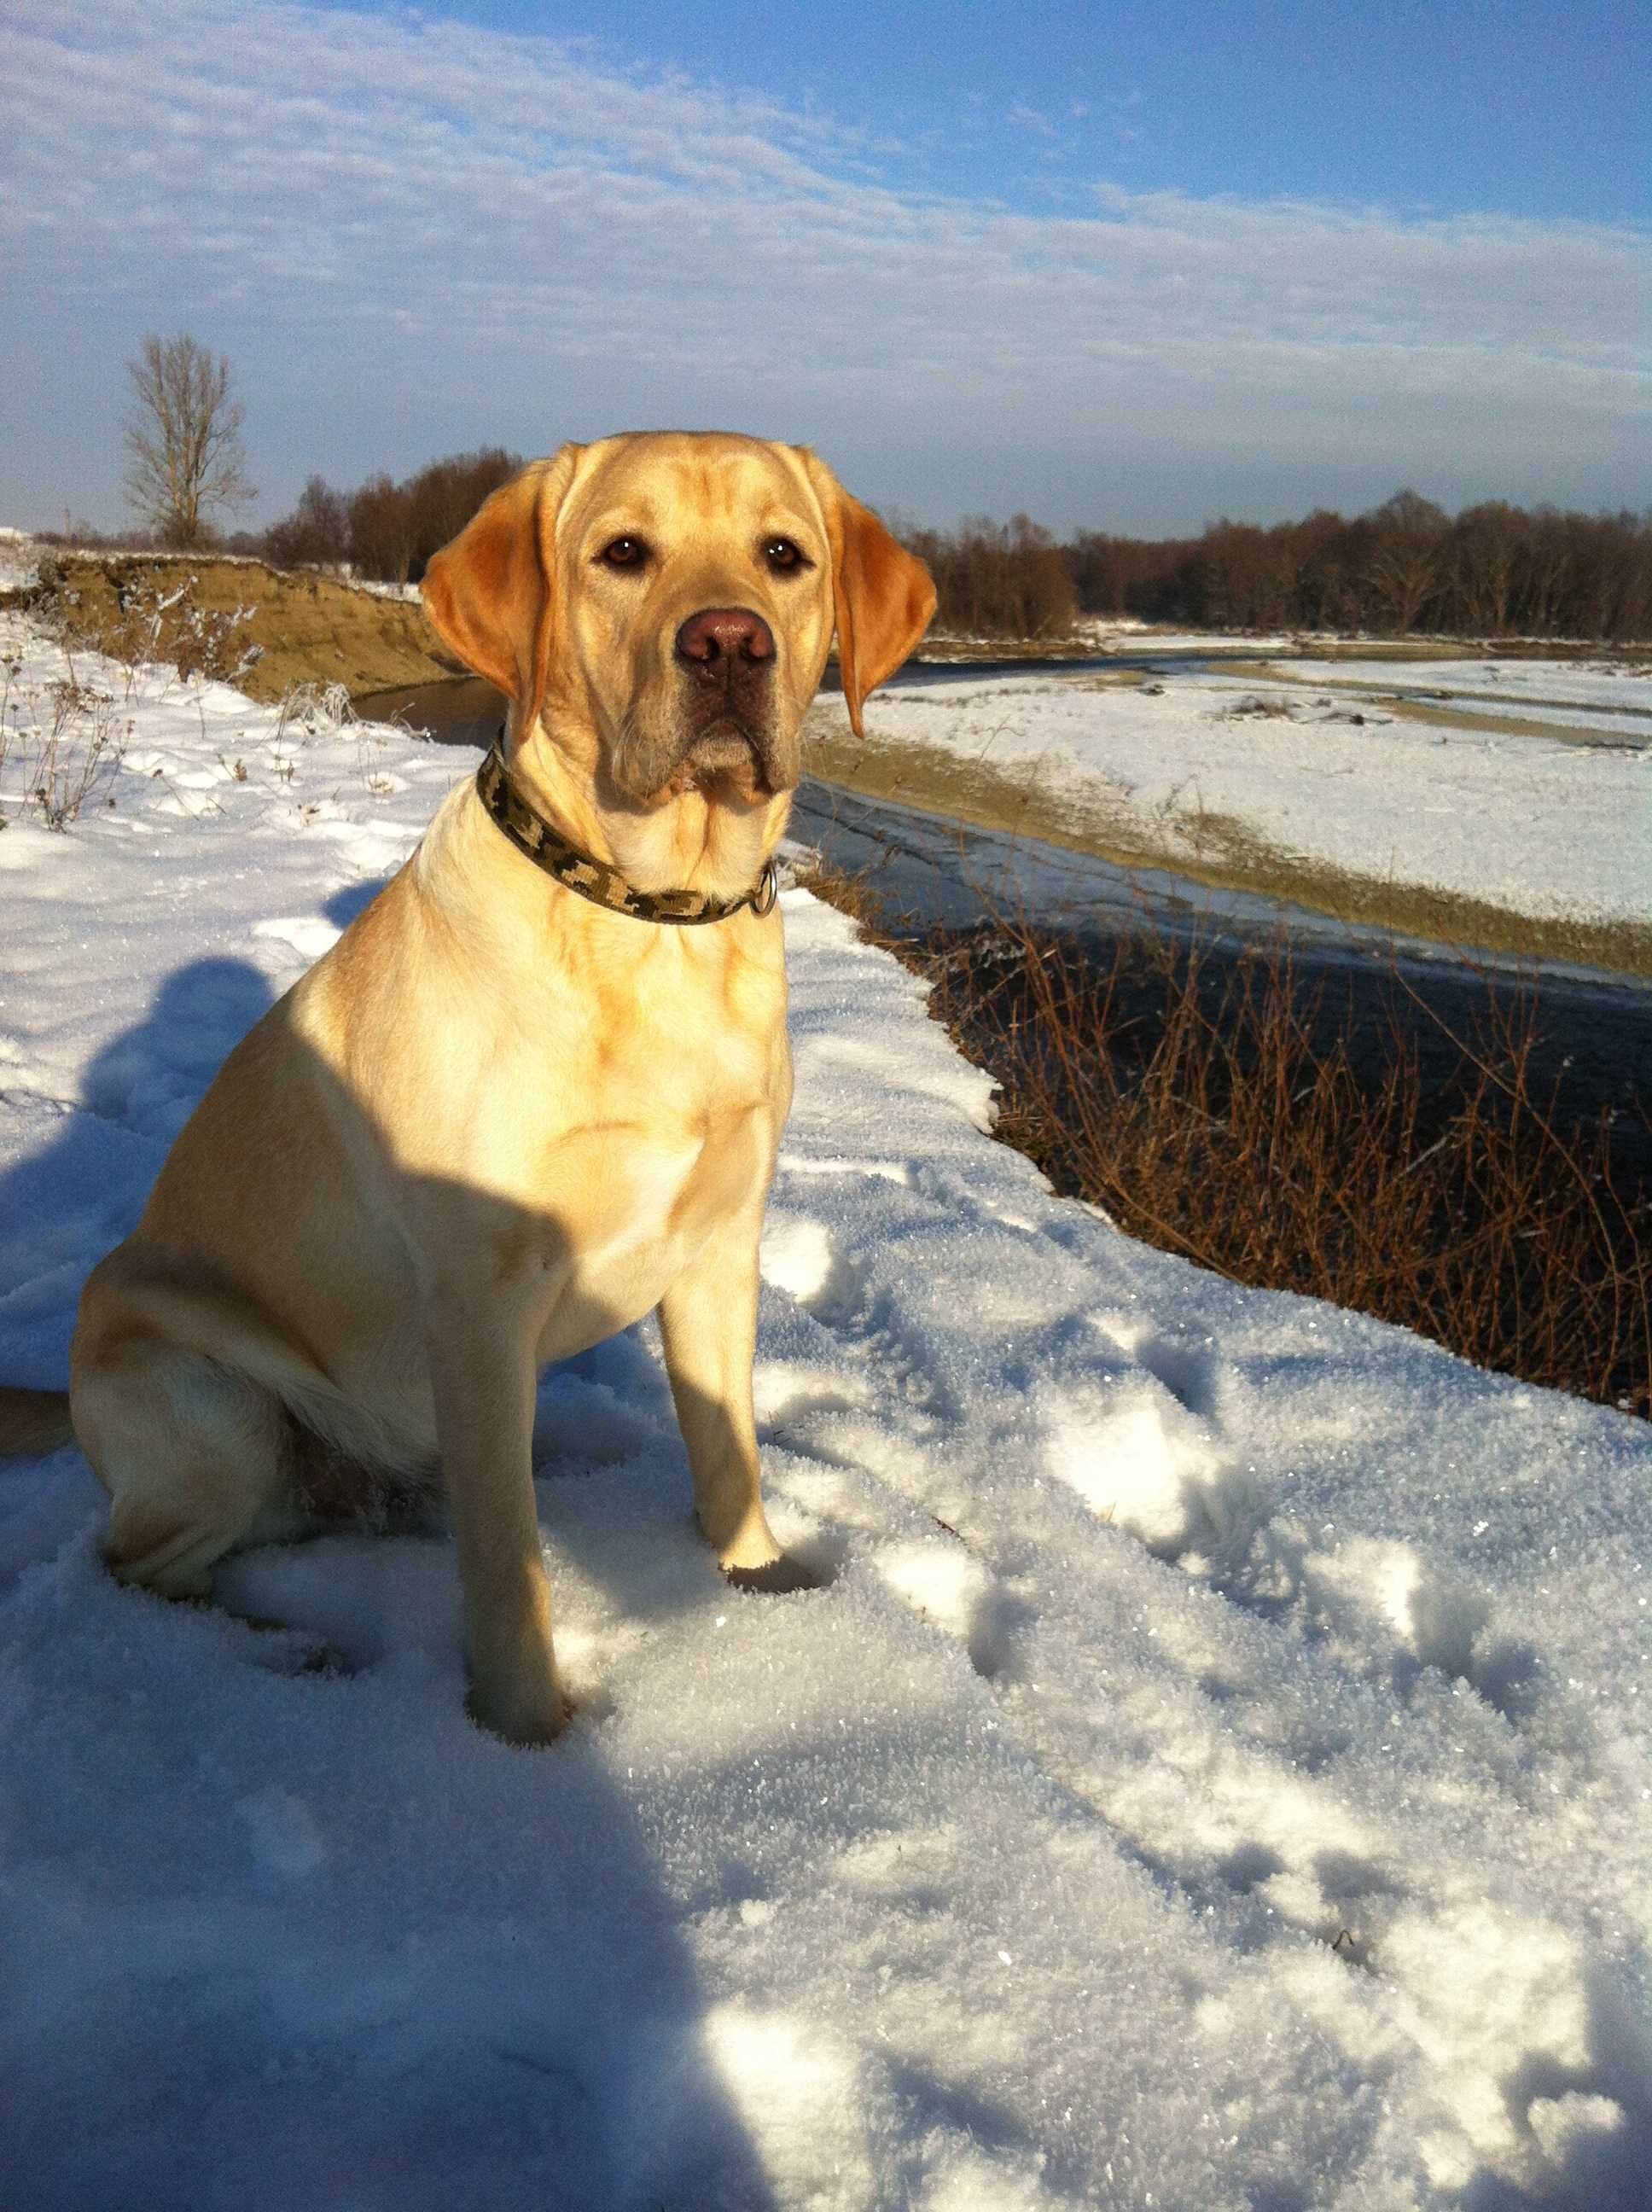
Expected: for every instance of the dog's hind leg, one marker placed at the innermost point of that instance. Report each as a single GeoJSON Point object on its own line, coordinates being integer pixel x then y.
{"type": "Point", "coordinates": [196, 1457]}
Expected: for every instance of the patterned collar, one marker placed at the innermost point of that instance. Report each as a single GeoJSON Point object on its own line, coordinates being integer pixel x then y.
{"type": "Point", "coordinates": [594, 879]}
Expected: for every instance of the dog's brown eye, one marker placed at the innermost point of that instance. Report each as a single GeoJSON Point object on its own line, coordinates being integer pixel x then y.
{"type": "Point", "coordinates": [625, 553]}
{"type": "Point", "coordinates": [783, 556]}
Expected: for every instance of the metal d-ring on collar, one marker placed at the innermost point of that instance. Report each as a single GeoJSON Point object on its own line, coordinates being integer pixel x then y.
{"type": "Point", "coordinates": [595, 880]}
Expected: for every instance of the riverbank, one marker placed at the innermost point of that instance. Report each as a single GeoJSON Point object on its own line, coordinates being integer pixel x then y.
{"type": "Point", "coordinates": [1472, 807]}
{"type": "Point", "coordinates": [270, 630]}
{"type": "Point", "coordinates": [1244, 786]}
{"type": "Point", "coordinates": [1462, 1151]}
{"type": "Point", "coordinates": [1421, 788]}
{"type": "Point", "coordinates": [1217, 855]}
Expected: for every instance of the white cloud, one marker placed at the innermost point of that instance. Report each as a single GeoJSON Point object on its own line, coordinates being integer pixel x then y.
{"type": "Point", "coordinates": [1032, 119]}
{"type": "Point", "coordinates": [364, 200]}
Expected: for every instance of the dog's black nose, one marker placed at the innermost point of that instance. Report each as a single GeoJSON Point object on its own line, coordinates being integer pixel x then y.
{"type": "Point", "coordinates": [718, 638]}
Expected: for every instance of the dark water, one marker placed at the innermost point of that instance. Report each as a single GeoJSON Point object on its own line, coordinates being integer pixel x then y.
{"type": "Point", "coordinates": [1595, 1031]}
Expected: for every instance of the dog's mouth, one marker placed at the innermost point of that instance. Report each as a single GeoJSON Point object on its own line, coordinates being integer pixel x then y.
{"type": "Point", "coordinates": [727, 747]}
{"type": "Point", "coordinates": [729, 756]}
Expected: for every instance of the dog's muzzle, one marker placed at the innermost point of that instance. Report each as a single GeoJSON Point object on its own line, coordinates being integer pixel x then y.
{"type": "Point", "coordinates": [725, 656]}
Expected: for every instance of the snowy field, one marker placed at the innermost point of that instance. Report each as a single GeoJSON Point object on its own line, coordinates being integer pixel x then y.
{"type": "Point", "coordinates": [1215, 1774]}
{"type": "Point", "coordinates": [1586, 692]}
{"type": "Point", "coordinates": [1318, 763]}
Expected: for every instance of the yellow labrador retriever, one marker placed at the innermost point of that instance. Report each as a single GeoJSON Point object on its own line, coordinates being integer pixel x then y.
{"type": "Point", "coordinates": [536, 1089]}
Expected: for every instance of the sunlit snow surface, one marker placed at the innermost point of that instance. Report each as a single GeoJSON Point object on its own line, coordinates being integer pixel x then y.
{"type": "Point", "coordinates": [1214, 1774]}
{"type": "Point", "coordinates": [1533, 792]}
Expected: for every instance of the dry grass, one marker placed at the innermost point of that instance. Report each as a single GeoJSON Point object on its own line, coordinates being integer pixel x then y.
{"type": "Point", "coordinates": [61, 741]}
{"type": "Point", "coordinates": [1262, 1125]}
{"type": "Point", "coordinates": [157, 628]}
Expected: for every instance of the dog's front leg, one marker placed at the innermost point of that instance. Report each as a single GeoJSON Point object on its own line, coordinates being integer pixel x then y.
{"type": "Point", "coordinates": [483, 1380]}
{"type": "Point", "coordinates": [708, 1325]}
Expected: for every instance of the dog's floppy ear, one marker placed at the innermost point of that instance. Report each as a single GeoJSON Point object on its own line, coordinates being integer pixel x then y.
{"type": "Point", "coordinates": [490, 592]}
{"type": "Point", "coordinates": [882, 595]}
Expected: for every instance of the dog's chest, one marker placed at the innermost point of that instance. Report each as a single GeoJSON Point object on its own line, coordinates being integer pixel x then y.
{"type": "Point", "coordinates": [629, 1210]}
{"type": "Point", "coordinates": [644, 1145]}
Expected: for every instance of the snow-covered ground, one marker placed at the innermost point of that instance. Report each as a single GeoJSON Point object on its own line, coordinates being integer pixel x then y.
{"type": "Point", "coordinates": [1125, 633]}
{"type": "Point", "coordinates": [1215, 1773]}
{"type": "Point", "coordinates": [1318, 768]}
{"type": "Point", "coordinates": [20, 559]}
{"type": "Point", "coordinates": [1586, 690]}
{"type": "Point", "coordinates": [407, 594]}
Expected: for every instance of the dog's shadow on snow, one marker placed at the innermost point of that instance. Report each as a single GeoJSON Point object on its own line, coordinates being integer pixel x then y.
{"type": "Point", "coordinates": [341, 909]}
{"type": "Point", "coordinates": [80, 1191]}
{"type": "Point", "coordinates": [490, 1924]}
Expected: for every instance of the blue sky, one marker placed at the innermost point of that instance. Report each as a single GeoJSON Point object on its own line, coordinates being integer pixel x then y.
{"type": "Point", "coordinates": [1527, 110]}
{"type": "Point", "coordinates": [1129, 267]}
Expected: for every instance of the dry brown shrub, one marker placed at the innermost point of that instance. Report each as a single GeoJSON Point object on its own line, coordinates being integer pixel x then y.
{"type": "Point", "coordinates": [1259, 1121]}
{"type": "Point", "coordinates": [61, 743]}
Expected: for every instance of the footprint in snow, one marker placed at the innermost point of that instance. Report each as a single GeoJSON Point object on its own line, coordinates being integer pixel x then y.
{"type": "Point", "coordinates": [942, 1580]}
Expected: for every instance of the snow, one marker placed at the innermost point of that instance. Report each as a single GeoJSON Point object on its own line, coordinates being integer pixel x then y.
{"type": "Point", "coordinates": [20, 560]}
{"type": "Point", "coordinates": [1589, 690]}
{"type": "Point", "coordinates": [409, 593]}
{"type": "Point", "coordinates": [1127, 634]}
{"type": "Point", "coordinates": [1214, 1773]}
{"type": "Point", "coordinates": [1542, 825]}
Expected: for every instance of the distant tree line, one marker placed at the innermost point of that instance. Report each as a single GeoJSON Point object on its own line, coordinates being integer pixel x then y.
{"type": "Point", "coordinates": [999, 580]}
{"type": "Point", "coordinates": [385, 529]}
{"type": "Point", "coordinates": [1493, 571]}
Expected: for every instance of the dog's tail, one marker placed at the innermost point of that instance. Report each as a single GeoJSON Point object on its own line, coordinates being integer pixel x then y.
{"type": "Point", "coordinates": [32, 1421]}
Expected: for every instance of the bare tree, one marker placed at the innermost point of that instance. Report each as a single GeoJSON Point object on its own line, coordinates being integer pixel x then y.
{"type": "Point", "coordinates": [1405, 572]}
{"type": "Point", "coordinates": [184, 446]}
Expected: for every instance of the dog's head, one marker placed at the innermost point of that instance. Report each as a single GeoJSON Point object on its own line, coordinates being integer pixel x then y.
{"type": "Point", "coordinates": [658, 608]}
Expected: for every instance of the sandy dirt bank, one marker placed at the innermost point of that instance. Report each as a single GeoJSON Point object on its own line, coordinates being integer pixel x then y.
{"type": "Point", "coordinates": [308, 629]}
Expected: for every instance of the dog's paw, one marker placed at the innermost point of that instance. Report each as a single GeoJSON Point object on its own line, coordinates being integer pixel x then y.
{"type": "Point", "coordinates": [527, 1724]}
{"type": "Point", "coordinates": [778, 1579]}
